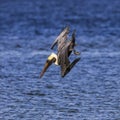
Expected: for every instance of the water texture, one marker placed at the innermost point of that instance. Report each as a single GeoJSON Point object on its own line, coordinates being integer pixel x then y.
{"type": "Point", "coordinates": [91, 91]}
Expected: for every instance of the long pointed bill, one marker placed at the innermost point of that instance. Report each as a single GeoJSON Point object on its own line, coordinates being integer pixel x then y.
{"type": "Point", "coordinates": [46, 66]}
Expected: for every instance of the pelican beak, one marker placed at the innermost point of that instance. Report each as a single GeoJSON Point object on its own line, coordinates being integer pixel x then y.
{"type": "Point", "coordinates": [46, 66]}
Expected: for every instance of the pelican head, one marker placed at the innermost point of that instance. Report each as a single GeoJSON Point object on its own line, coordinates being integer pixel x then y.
{"type": "Point", "coordinates": [52, 58]}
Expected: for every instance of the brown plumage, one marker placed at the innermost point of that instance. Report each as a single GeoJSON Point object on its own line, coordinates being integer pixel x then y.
{"type": "Point", "coordinates": [64, 50]}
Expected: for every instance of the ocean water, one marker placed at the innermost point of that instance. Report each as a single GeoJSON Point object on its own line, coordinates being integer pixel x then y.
{"type": "Point", "coordinates": [91, 91]}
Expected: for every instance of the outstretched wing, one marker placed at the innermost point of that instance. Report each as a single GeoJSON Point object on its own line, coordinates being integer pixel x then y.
{"type": "Point", "coordinates": [60, 40]}
{"type": "Point", "coordinates": [70, 66]}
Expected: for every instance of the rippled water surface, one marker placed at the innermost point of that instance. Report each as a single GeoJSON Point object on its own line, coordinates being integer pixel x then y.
{"type": "Point", "coordinates": [91, 91]}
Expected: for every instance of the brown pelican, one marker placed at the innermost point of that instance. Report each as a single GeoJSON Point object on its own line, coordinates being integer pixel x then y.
{"type": "Point", "coordinates": [65, 48]}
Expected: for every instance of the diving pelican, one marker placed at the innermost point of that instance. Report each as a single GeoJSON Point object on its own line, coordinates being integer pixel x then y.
{"type": "Point", "coordinates": [65, 48]}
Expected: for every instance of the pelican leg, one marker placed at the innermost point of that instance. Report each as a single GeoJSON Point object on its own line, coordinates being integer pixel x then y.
{"type": "Point", "coordinates": [76, 52]}
{"type": "Point", "coordinates": [70, 66]}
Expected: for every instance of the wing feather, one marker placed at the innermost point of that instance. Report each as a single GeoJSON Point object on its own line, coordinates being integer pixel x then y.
{"type": "Point", "coordinates": [61, 37]}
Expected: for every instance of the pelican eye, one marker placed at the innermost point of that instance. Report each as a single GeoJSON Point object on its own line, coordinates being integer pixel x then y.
{"type": "Point", "coordinates": [47, 61]}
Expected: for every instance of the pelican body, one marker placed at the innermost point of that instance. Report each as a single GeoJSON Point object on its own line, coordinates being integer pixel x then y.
{"type": "Point", "coordinates": [64, 50]}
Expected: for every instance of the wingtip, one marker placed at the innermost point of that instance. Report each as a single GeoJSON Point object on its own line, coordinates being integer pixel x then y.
{"type": "Point", "coordinates": [77, 59]}
{"type": "Point", "coordinates": [40, 76]}
{"type": "Point", "coordinates": [62, 76]}
{"type": "Point", "coordinates": [51, 47]}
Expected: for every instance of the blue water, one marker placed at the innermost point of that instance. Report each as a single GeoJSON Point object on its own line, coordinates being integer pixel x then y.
{"type": "Point", "coordinates": [91, 91]}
